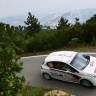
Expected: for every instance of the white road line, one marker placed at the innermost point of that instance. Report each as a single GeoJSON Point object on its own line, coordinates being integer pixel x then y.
{"type": "Point", "coordinates": [33, 56]}
{"type": "Point", "coordinates": [46, 55]}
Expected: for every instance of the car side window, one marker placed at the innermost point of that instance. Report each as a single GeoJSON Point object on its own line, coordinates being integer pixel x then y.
{"type": "Point", "coordinates": [50, 65]}
{"type": "Point", "coordinates": [66, 67]}
{"type": "Point", "coordinates": [54, 64]}
{"type": "Point", "coordinates": [61, 66]}
{"type": "Point", "coordinates": [57, 65]}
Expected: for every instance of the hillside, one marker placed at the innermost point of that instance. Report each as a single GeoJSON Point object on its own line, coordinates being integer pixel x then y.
{"type": "Point", "coordinates": [52, 19]}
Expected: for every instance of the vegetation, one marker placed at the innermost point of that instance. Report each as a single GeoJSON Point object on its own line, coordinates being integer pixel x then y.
{"type": "Point", "coordinates": [10, 83]}
{"type": "Point", "coordinates": [33, 26]}
{"type": "Point", "coordinates": [33, 38]}
{"type": "Point", "coordinates": [32, 91]}
{"type": "Point", "coordinates": [39, 91]}
{"type": "Point", "coordinates": [18, 40]}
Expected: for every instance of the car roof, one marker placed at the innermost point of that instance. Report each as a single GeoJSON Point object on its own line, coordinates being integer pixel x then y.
{"type": "Point", "coordinates": [63, 56]}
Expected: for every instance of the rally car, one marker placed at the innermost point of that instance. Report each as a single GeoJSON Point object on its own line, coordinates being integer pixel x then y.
{"type": "Point", "coordinates": [71, 67]}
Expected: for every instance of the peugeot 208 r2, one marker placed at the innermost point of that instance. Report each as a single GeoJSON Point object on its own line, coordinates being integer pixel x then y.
{"type": "Point", "coordinates": [71, 67]}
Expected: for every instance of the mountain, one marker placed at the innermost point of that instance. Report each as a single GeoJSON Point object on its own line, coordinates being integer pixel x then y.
{"type": "Point", "coordinates": [83, 15]}
{"type": "Point", "coordinates": [52, 19]}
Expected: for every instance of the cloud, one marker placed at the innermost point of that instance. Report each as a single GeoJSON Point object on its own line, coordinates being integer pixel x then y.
{"type": "Point", "coordinates": [13, 7]}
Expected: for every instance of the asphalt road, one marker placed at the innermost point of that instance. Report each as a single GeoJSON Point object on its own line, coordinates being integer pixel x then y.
{"type": "Point", "coordinates": [33, 77]}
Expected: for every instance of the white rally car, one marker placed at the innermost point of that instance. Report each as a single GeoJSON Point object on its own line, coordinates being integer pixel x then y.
{"type": "Point", "coordinates": [70, 66]}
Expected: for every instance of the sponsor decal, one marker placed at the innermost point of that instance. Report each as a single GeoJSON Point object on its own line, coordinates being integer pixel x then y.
{"type": "Point", "coordinates": [92, 63]}
{"type": "Point", "coordinates": [62, 55]}
{"type": "Point", "coordinates": [56, 74]}
{"type": "Point", "coordinates": [66, 76]}
{"type": "Point", "coordinates": [95, 70]}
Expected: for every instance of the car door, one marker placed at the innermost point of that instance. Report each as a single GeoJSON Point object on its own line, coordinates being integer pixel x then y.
{"type": "Point", "coordinates": [63, 71]}
{"type": "Point", "coordinates": [55, 71]}
{"type": "Point", "coordinates": [69, 73]}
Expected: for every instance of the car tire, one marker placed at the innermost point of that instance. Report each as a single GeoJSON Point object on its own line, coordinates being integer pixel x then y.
{"type": "Point", "coordinates": [86, 83]}
{"type": "Point", "coordinates": [46, 76]}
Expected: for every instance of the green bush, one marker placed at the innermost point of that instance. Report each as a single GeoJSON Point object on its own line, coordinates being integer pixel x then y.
{"type": "Point", "coordinates": [74, 42]}
{"type": "Point", "coordinates": [32, 91]}
{"type": "Point", "coordinates": [10, 83]}
{"type": "Point", "coordinates": [41, 41]}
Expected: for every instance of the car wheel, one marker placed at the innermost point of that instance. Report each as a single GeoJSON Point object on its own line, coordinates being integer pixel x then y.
{"type": "Point", "coordinates": [86, 83]}
{"type": "Point", "coordinates": [46, 76]}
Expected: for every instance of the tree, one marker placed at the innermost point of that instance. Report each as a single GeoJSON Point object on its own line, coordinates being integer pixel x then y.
{"type": "Point", "coordinates": [76, 29]}
{"type": "Point", "coordinates": [62, 24]}
{"type": "Point", "coordinates": [10, 83]}
{"type": "Point", "coordinates": [2, 31]}
{"type": "Point", "coordinates": [62, 32]}
{"type": "Point", "coordinates": [77, 23]}
{"type": "Point", "coordinates": [33, 26]}
{"type": "Point", "coordinates": [90, 30]}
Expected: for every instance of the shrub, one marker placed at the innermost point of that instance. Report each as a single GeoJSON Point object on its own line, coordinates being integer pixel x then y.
{"type": "Point", "coordinates": [32, 91]}
{"type": "Point", "coordinates": [10, 83]}
{"type": "Point", "coordinates": [74, 42]}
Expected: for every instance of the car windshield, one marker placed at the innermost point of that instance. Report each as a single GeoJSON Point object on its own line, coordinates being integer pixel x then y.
{"type": "Point", "coordinates": [80, 62]}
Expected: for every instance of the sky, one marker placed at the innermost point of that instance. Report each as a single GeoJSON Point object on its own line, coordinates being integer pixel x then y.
{"type": "Point", "coordinates": [18, 7]}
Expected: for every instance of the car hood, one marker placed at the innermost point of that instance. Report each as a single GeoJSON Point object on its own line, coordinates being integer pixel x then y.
{"type": "Point", "coordinates": [91, 67]}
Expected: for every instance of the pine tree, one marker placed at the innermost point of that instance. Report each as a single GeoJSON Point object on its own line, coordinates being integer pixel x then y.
{"type": "Point", "coordinates": [33, 26]}
{"type": "Point", "coordinates": [62, 23]}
